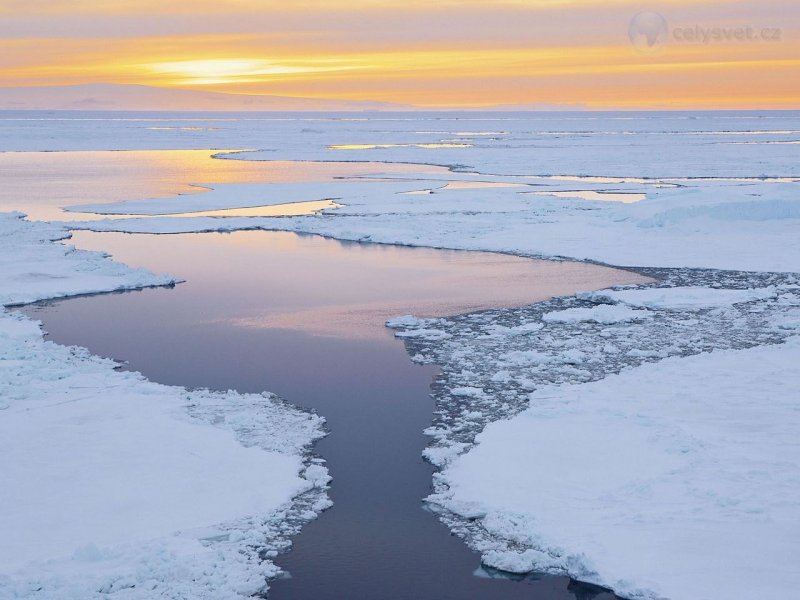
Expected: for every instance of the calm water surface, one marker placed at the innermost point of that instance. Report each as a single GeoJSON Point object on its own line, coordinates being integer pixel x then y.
{"type": "Point", "coordinates": [40, 184]}
{"type": "Point", "coordinates": [302, 316]}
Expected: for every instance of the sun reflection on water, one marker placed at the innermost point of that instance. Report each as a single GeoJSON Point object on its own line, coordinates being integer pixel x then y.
{"type": "Point", "coordinates": [39, 184]}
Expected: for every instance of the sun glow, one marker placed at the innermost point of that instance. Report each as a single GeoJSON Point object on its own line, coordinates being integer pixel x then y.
{"type": "Point", "coordinates": [247, 70]}
{"type": "Point", "coordinates": [567, 53]}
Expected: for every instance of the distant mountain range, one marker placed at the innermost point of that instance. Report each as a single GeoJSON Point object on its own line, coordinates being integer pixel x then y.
{"type": "Point", "coordinates": [112, 96]}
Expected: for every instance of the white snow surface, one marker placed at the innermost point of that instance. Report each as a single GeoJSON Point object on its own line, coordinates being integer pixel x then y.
{"type": "Point", "coordinates": [242, 195]}
{"type": "Point", "coordinates": [34, 268]}
{"type": "Point", "coordinates": [602, 313]}
{"type": "Point", "coordinates": [749, 226]}
{"type": "Point", "coordinates": [710, 202]}
{"type": "Point", "coordinates": [623, 144]}
{"type": "Point", "coordinates": [675, 479]}
{"type": "Point", "coordinates": [114, 486]}
{"type": "Point", "coordinates": [743, 220]}
{"type": "Point", "coordinates": [682, 298]}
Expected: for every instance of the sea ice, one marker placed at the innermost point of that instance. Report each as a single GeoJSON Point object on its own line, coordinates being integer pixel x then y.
{"type": "Point", "coordinates": [676, 479]}
{"type": "Point", "coordinates": [602, 313]}
{"type": "Point", "coordinates": [639, 438]}
{"type": "Point", "coordinates": [113, 484]}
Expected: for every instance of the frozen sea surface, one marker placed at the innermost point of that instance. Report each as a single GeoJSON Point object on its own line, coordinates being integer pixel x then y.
{"type": "Point", "coordinates": [304, 317]}
{"type": "Point", "coordinates": [41, 183]}
{"type": "Point", "coordinates": [114, 485]}
{"type": "Point", "coordinates": [633, 144]}
{"type": "Point", "coordinates": [720, 192]}
{"type": "Point", "coordinates": [663, 435]}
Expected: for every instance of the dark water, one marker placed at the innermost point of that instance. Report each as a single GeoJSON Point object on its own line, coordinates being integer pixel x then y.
{"type": "Point", "coordinates": [280, 312]}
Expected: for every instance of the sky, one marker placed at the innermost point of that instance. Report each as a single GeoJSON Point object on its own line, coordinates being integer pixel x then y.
{"type": "Point", "coordinates": [581, 53]}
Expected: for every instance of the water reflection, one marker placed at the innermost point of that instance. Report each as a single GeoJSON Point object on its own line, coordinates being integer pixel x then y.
{"type": "Point", "coordinates": [302, 316]}
{"type": "Point", "coordinates": [327, 287]}
{"type": "Point", "coordinates": [477, 185]}
{"type": "Point", "coordinates": [581, 591]}
{"type": "Point", "coordinates": [40, 183]}
{"type": "Point", "coordinates": [289, 209]}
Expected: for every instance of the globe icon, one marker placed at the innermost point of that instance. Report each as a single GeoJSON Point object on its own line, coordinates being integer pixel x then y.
{"type": "Point", "coordinates": [648, 32]}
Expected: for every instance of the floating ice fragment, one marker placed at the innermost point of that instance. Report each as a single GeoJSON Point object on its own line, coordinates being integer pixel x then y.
{"type": "Point", "coordinates": [603, 313]}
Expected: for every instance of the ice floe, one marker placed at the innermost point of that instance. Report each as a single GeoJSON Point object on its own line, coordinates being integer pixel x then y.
{"type": "Point", "coordinates": [639, 438]}
{"type": "Point", "coordinates": [114, 485]}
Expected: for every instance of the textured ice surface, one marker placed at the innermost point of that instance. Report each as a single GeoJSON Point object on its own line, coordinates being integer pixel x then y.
{"type": "Point", "coordinates": [682, 298]}
{"type": "Point", "coordinates": [602, 313]}
{"type": "Point", "coordinates": [626, 451]}
{"type": "Point", "coordinates": [619, 402]}
{"type": "Point", "coordinates": [34, 268]}
{"type": "Point", "coordinates": [633, 144]}
{"type": "Point", "coordinates": [709, 202]}
{"type": "Point", "coordinates": [237, 195]}
{"type": "Point", "coordinates": [746, 226]}
{"type": "Point", "coordinates": [642, 479]}
{"type": "Point", "coordinates": [115, 486]}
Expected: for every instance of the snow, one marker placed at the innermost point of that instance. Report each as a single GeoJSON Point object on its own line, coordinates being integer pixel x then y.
{"type": "Point", "coordinates": [626, 452]}
{"type": "Point", "coordinates": [675, 479]}
{"type": "Point", "coordinates": [431, 334]}
{"type": "Point", "coordinates": [602, 313]}
{"type": "Point", "coordinates": [682, 298]}
{"type": "Point", "coordinates": [708, 203]}
{"type": "Point", "coordinates": [633, 144]}
{"type": "Point", "coordinates": [112, 484]}
{"type": "Point", "coordinates": [34, 268]}
{"type": "Point", "coordinates": [747, 226]}
{"type": "Point", "coordinates": [241, 195]}
{"type": "Point", "coordinates": [123, 464]}
{"type": "Point", "coordinates": [640, 438]}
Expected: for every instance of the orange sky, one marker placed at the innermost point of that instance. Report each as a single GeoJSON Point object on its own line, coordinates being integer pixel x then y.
{"type": "Point", "coordinates": [446, 53]}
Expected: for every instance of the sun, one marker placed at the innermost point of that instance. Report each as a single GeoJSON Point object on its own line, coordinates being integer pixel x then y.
{"type": "Point", "coordinates": [235, 70]}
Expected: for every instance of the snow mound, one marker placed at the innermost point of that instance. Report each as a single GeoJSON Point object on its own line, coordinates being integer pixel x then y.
{"type": "Point", "coordinates": [602, 313]}
{"type": "Point", "coordinates": [654, 471]}
{"type": "Point", "coordinates": [682, 298]}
